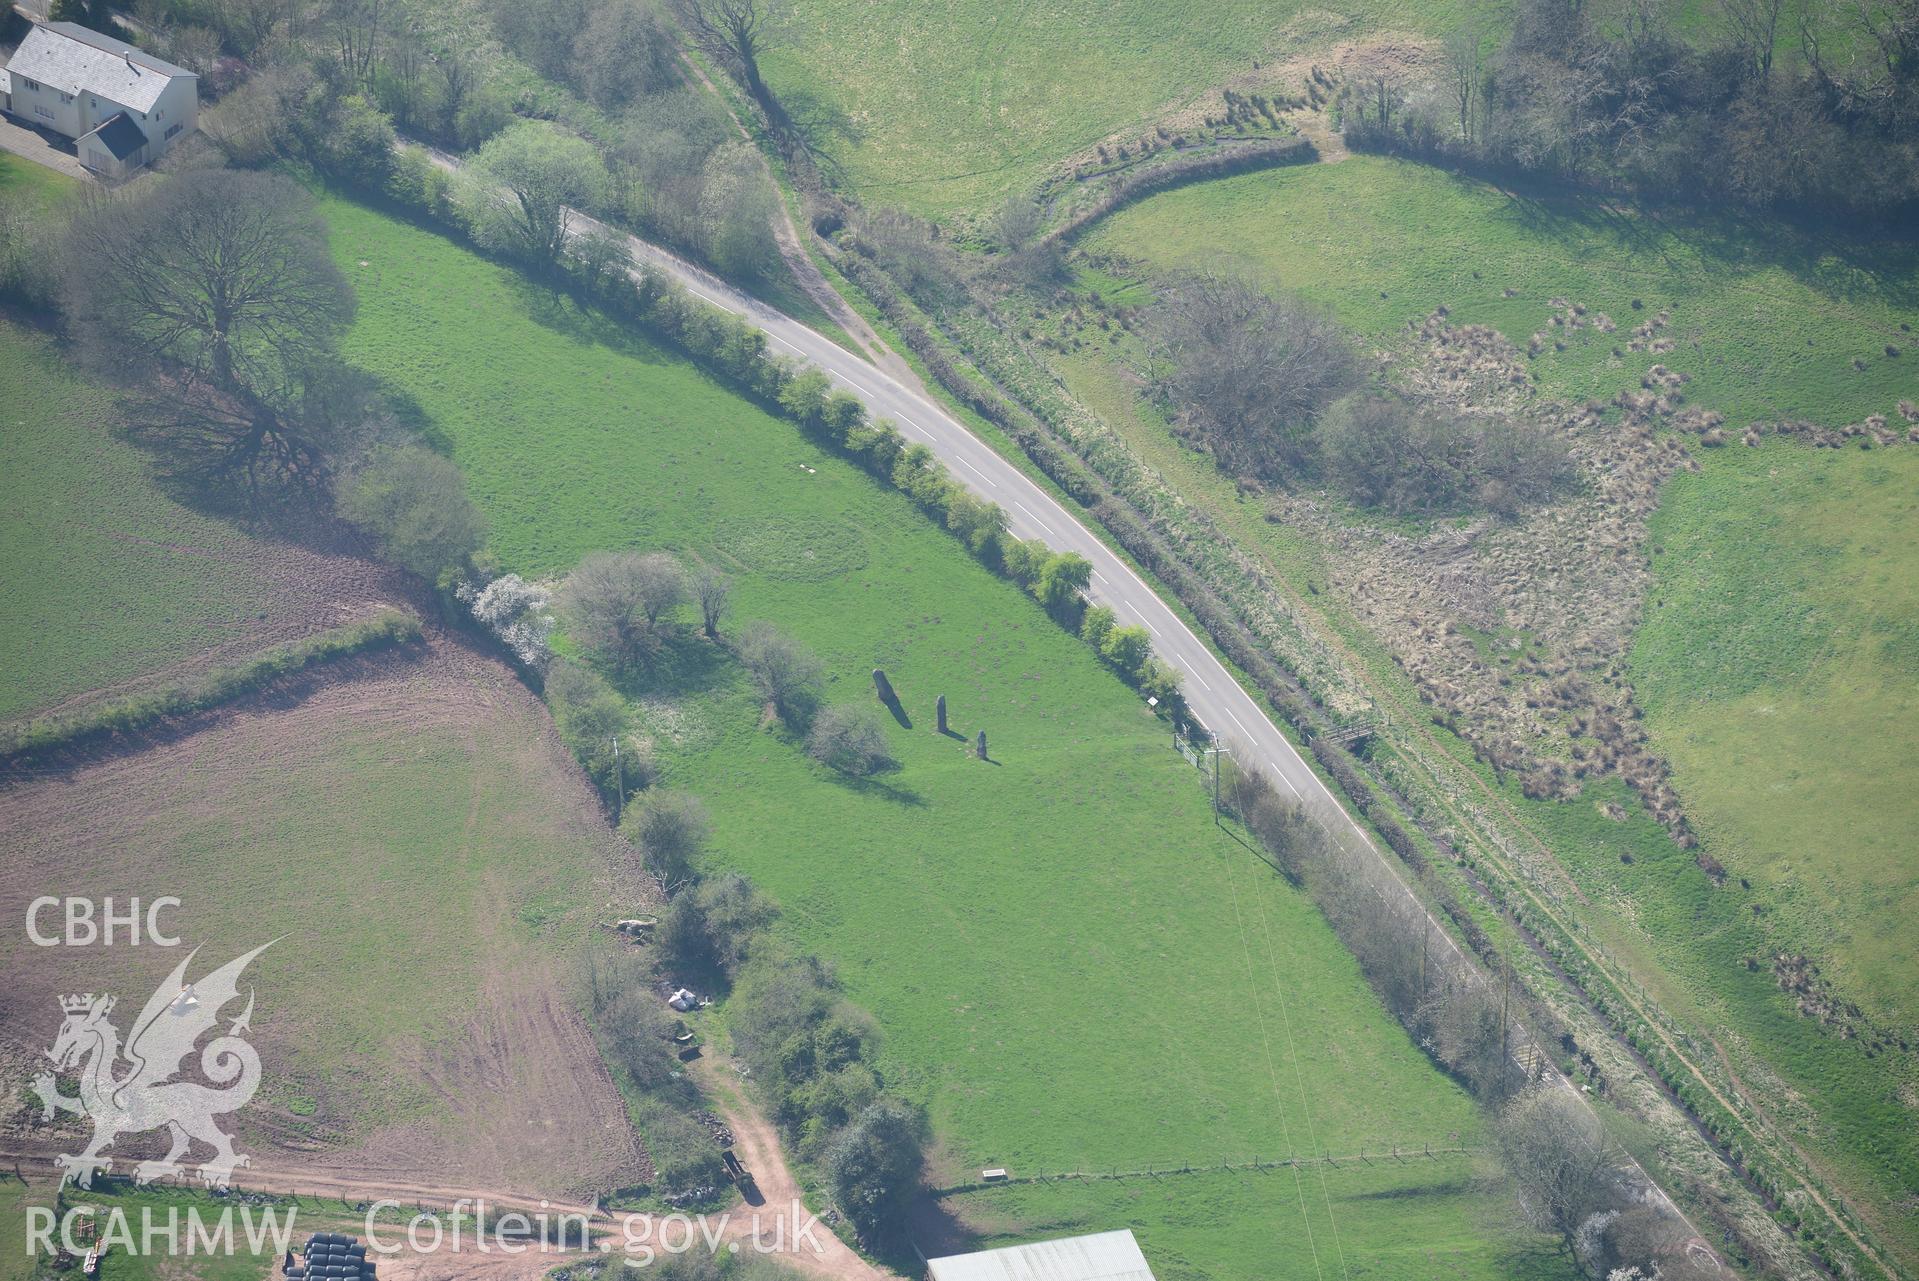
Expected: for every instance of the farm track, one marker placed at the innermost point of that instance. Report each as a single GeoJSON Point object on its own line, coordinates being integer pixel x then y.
{"type": "Point", "coordinates": [743, 1226]}
{"type": "Point", "coordinates": [759, 1150]}
{"type": "Point", "coordinates": [805, 271]}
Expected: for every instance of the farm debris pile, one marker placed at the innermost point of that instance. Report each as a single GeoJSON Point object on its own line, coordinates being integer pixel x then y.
{"type": "Point", "coordinates": [330, 1255]}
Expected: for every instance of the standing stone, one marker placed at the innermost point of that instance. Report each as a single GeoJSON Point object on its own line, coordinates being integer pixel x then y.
{"type": "Point", "coordinates": [979, 748]}
{"type": "Point", "coordinates": [883, 687]}
{"type": "Point", "coordinates": [939, 710]}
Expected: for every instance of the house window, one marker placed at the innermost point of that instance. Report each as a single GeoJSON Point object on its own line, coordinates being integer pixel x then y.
{"type": "Point", "coordinates": [172, 129]}
{"type": "Point", "coordinates": [31, 84]}
{"type": "Point", "coordinates": [66, 97]}
{"type": "Point", "coordinates": [39, 110]}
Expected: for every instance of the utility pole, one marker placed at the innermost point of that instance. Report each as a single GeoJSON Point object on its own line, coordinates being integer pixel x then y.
{"type": "Point", "coordinates": [619, 784]}
{"type": "Point", "coordinates": [1505, 994]}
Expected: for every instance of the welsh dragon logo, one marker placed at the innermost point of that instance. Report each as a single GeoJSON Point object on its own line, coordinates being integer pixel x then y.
{"type": "Point", "coordinates": [147, 1095]}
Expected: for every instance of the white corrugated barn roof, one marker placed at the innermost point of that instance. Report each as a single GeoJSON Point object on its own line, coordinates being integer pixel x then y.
{"type": "Point", "coordinates": [1102, 1256]}
{"type": "Point", "coordinates": [75, 60]}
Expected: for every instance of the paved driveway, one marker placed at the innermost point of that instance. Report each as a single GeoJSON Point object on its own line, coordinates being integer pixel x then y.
{"type": "Point", "coordinates": [30, 144]}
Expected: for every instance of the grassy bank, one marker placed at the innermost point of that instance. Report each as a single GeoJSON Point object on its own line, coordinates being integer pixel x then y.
{"type": "Point", "coordinates": [947, 109]}
{"type": "Point", "coordinates": [1767, 319]}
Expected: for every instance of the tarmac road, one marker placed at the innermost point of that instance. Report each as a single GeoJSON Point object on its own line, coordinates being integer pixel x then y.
{"type": "Point", "coordinates": [1215, 698]}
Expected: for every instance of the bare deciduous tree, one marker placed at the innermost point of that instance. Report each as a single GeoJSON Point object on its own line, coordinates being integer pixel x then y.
{"type": "Point", "coordinates": [785, 672]}
{"type": "Point", "coordinates": [1248, 373]}
{"type": "Point", "coordinates": [661, 583]}
{"type": "Point", "coordinates": [1562, 1163]}
{"type": "Point", "coordinates": [737, 33]}
{"type": "Point", "coordinates": [614, 600]}
{"type": "Point", "coordinates": [216, 291]}
{"type": "Point", "coordinates": [1755, 25]}
{"type": "Point", "coordinates": [1466, 74]}
{"type": "Point", "coordinates": [222, 276]}
{"type": "Point", "coordinates": [714, 593]}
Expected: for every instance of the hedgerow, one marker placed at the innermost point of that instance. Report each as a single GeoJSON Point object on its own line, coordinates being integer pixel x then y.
{"type": "Point", "coordinates": [39, 739]}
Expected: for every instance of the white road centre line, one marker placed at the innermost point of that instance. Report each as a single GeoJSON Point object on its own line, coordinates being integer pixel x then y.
{"type": "Point", "coordinates": [977, 472]}
{"type": "Point", "coordinates": [1029, 515]}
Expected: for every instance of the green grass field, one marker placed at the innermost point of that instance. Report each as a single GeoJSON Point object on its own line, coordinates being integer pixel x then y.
{"type": "Point", "coordinates": [1779, 668]}
{"type": "Point", "coordinates": [109, 580]}
{"type": "Point", "coordinates": [36, 184]}
{"type": "Point", "coordinates": [96, 594]}
{"type": "Point", "coordinates": [1417, 1217]}
{"type": "Point", "coordinates": [950, 108]}
{"type": "Point", "coordinates": [1069, 963]}
{"type": "Point", "coordinates": [1768, 320]}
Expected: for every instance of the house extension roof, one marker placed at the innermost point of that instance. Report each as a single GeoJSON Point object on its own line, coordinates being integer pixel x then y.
{"type": "Point", "coordinates": [1103, 1256]}
{"type": "Point", "coordinates": [119, 135]}
{"type": "Point", "coordinates": [75, 60]}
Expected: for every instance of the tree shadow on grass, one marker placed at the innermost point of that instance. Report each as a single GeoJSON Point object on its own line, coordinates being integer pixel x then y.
{"type": "Point", "coordinates": [822, 127]}
{"type": "Point", "coordinates": [878, 787]}
{"type": "Point", "coordinates": [1835, 260]}
{"type": "Point", "coordinates": [1454, 1187]}
{"type": "Point", "coordinates": [409, 413]}
{"type": "Point", "coordinates": [552, 305]}
{"type": "Point", "coordinates": [686, 663]}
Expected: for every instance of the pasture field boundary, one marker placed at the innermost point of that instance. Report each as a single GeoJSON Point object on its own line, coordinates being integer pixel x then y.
{"type": "Point", "coordinates": [1396, 1154]}
{"type": "Point", "coordinates": [35, 742]}
{"type": "Point", "coordinates": [1223, 159]}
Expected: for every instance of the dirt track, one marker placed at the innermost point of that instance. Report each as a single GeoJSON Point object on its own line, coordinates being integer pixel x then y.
{"type": "Point", "coordinates": [768, 1226]}
{"type": "Point", "coordinates": [758, 1148]}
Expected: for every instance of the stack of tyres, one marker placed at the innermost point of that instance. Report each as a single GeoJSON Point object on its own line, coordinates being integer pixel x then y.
{"type": "Point", "coordinates": [331, 1256]}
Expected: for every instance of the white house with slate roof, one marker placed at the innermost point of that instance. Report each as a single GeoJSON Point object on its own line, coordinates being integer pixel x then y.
{"type": "Point", "coordinates": [122, 108]}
